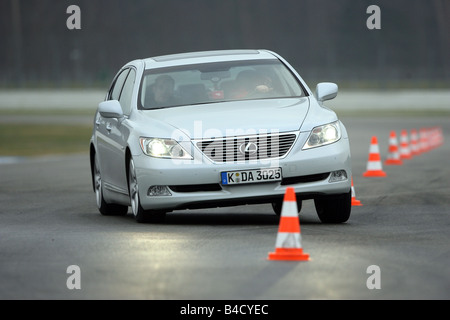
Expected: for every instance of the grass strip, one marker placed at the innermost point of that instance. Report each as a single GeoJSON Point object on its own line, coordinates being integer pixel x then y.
{"type": "Point", "coordinates": [43, 139]}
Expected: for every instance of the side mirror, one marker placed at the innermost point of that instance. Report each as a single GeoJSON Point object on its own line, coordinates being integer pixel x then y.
{"type": "Point", "coordinates": [110, 109]}
{"type": "Point", "coordinates": [326, 91]}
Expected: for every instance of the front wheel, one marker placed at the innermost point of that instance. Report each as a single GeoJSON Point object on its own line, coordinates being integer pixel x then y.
{"type": "Point", "coordinates": [106, 209]}
{"type": "Point", "coordinates": [139, 213]}
{"type": "Point", "coordinates": [334, 208]}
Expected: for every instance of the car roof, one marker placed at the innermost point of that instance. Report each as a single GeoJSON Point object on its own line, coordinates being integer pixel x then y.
{"type": "Point", "coordinates": [206, 57]}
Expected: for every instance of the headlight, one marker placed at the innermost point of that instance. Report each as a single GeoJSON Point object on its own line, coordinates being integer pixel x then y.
{"type": "Point", "coordinates": [323, 135]}
{"type": "Point", "coordinates": [163, 148]}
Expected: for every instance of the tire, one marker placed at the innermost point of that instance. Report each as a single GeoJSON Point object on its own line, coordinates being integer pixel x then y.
{"type": "Point", "coordinates": [106, 209]}
{"type": "Point", "coordinates": [140, 215]}
{"type": "Point", "coordinates": [278, 205]}
{"type": "Point", "coordinates": [334, 209]}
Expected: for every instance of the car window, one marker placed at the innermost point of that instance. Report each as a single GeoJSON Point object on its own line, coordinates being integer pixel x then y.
{"type": "Point", "coordinates": [217, 82]}
{"type": "Point", "coordinates": [127, 91]}
{"type": "Point", "coordinates": [116, 89]}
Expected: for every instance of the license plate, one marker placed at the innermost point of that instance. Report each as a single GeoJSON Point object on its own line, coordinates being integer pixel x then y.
{"type": "Point", "coordinates": [251, 176]}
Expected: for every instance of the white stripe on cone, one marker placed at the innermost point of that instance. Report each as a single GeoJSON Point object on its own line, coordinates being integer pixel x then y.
{"type": "Point", "coordinates": [289, 209]}
{"type": "Point", "coordinates": [374, 148]}
{"type": "Point", "coordinates": [374, 165]}
{"type": "Point", "coordinates": [288, 240]}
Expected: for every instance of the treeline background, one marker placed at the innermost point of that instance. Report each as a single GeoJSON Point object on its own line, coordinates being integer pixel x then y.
{"type": "Point", "coordinates": [325, 40]}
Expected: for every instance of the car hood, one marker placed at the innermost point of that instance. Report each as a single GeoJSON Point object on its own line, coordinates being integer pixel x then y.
{"type": "Point", "coordinates": [233, 118]}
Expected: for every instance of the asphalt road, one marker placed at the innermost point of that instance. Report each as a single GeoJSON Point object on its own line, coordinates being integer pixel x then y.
{"type": "Point", "coordinates": [49, 221]}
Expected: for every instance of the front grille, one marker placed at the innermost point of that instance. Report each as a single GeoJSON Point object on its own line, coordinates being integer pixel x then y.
{"type": "Point", "coordinates": [256, 147]}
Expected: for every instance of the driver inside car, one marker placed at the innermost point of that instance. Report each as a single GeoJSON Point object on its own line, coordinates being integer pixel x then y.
{"type": "Point", "coordinates": [250, 84]}
{"type": "Point", "coordinates": [161, 93]}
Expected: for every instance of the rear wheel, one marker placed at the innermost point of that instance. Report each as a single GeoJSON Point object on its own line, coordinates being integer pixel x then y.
{"type": "Point", "coordinates": [105, 208]}
{"type": "Point", "coordinates": [139, 213]}
{"type": "Point", "coordinates": [335, 208]}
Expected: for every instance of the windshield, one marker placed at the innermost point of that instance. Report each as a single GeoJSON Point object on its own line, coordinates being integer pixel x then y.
{"type": "Point", "coordinates": [217, 82]}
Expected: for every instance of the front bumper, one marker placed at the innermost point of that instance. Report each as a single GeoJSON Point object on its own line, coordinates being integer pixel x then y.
{"type": "Point", "coordinates": [197, 183]}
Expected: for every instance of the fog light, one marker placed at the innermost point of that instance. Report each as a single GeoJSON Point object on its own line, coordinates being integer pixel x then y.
{"type": "Point", "coordinates": [158, 191]}
{"type": "Point", "coordinates": [339, 175]}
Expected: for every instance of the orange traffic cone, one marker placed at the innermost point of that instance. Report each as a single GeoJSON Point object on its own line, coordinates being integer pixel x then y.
{"type": "Point", "coordinates": [393, 155]}
{"type": "Point", "coordinates": [436, 137]}
{"type": "Point", "coordinates": [374, 166]}
{"type": "Point", "coordinates": [405, 150]}
{"type": "Point", "coordinates": [440, 137]}
{"type": "Point", "coordinates": [288, 244]}
{"type": "Point", "coordinates": [354, 201]}
{"type": "Point", "coordinates": [423, 140]}
{"type": "Point", "coordinates": [415, 147]}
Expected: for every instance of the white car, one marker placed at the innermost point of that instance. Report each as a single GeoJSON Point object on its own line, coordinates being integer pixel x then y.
{"type": "Point", "coordinates": [217, 128]}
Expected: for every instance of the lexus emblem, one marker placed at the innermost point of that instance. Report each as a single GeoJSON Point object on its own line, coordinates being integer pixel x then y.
{"type": "Point", "coordinates": [248, 148]}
